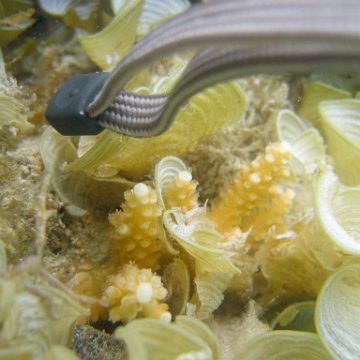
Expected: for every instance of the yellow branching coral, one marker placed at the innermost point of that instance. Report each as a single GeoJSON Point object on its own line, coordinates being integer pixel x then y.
{"type": "Point", "coordinates": [134, 293]}
{"type": "Point", "coordinates": [181, 192]}
{"type": "Point", "coordinates": [272, 217]}
{"type": "Point", "coordinates": [250, 195]}
{"type": "Point", "coordinates": [136, 228]}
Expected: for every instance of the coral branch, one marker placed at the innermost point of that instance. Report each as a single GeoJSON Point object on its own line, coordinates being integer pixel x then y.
{"type": "Point", "coordinates": [136, 228]}
{"type": "Point", "coordinates": [182, 192]}
{"type": "Point", "coordinates": [135, 292]}
{"type": "Point", "coordinates": [272, 217]}
{"type": "Point", "coordinates": [252, 190]}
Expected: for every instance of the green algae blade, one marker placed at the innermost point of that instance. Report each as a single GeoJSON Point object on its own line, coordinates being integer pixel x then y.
{"type": "Point", "coordinates": [63, 353]}
{"type": "Point", "coordinates": [157, 11]}
{"type": "Point", "coordinates": [210, 288]}
{"type": "Point", "coordinates": [104, 145]}
{"type": "Point", "coordinates": [78, 189]}
{"type": "Point", "coordinates": [284, 345]}
{"type": "Point", "coordinates": [314, 94]}
{"type": "Point", "coordinates": [37, 350]}
{"type": "Point", "coordinates": [213, 269]}
{"type": "Point", "coordinates": [15, 18]}
{"type": "Point", "coordinates": [176, 279]}
{"type": "Point", "coordinates": [200, 330]}
{"type": "Point", "coordinates": [13, 106]}
{"type": "Point", "coordinates": [24, 351]}
{"type": "Point", "coordinates": [10, 7]}
{"type": "Point", "coordinates": [305, 143]}
{"type": "Point", "coordinates": [289, 126]}
{"type": "Point", "coordinates": [154, 12]}
{"type": "Point", "coordinates": [14, 25]}
{"type": "Point", "coordinates": [36, 320]}
{"type": "Point", "coordinates": [55, 7]}
{"type": "Point", "coordinates": [154, 340]}
{"type": "Point", "coordinates": [61, 329]}
{"type": "Point", "coordinates": [299, 317]}
{"type": "Point", "coordinates": [338, 210]}
{"type": "Point", "coordinates": [83, 15]}
{"type": "Point", "coordinates": [309, 148]}
{"type": "Point", "coordinates": [10, 110]}
{"type": "Point", "coordinates": [109, 46]}
{"type": "Point", "coordinates": [341, 126]}
{"type": "Point", "coordinates": [337, 314]}
{"type": "Point", "coordinates": [196, 238]}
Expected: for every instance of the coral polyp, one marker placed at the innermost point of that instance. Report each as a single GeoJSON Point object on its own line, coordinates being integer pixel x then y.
{"type": "Point", "coordinates": [134, 292]}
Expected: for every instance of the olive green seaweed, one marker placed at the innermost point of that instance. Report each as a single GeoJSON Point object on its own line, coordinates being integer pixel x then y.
{"type": "Point", "coordinates": [16, 16]}
{"type": "Point", "coordinates": [314, 94]}
{"type": "Point", "coordinates": [304, 141]}
{"type": "Point", "coordinates": [298, 316]}
{"type": "Point", "coordinates": [337, 314]}
{"type": "Point", "coordinates": [186, 338]}
{"type": "Point", "coordinates": [341, 126]}
{"type": "Point", "coordinates": [109, 46]}
{"type": "Point", "coordinates": [284, 345]}
{"type": "Point", "coordinates": [337, 208]}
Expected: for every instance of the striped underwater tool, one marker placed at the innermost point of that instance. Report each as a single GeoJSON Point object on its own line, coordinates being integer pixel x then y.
{"type": "Point", "coordinates": [231, 38]}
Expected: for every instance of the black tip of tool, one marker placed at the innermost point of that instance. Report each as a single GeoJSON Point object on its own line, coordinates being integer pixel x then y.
{"type": "Point", "coordinates": [66, 111]}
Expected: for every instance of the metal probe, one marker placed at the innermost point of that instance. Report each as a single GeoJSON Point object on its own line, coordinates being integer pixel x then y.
{"type": "Point", "coordinates": [233, 38]}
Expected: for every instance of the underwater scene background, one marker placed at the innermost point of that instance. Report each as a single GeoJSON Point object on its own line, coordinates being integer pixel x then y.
{"type": "Point", "coordinates": [233, 235]}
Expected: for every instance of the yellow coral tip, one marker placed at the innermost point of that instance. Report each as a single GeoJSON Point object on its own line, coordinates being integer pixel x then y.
{"type": "Point", "coordinates": [255, 178]}
{"type": "Point", "coordinates": [290, 193]}
{"type": "Point", "coordinates": [185, 176]}
{"type": "Point", "coordinates": [166, 316]}
{"type": "Point", "coordinates": [123, 229]}
{"type": "Point", "coordinates": [269, 158]}
{"type": "Point", "coordinates": [141, 190]}
{"type": "Point", "coordinates": [144, 293]}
